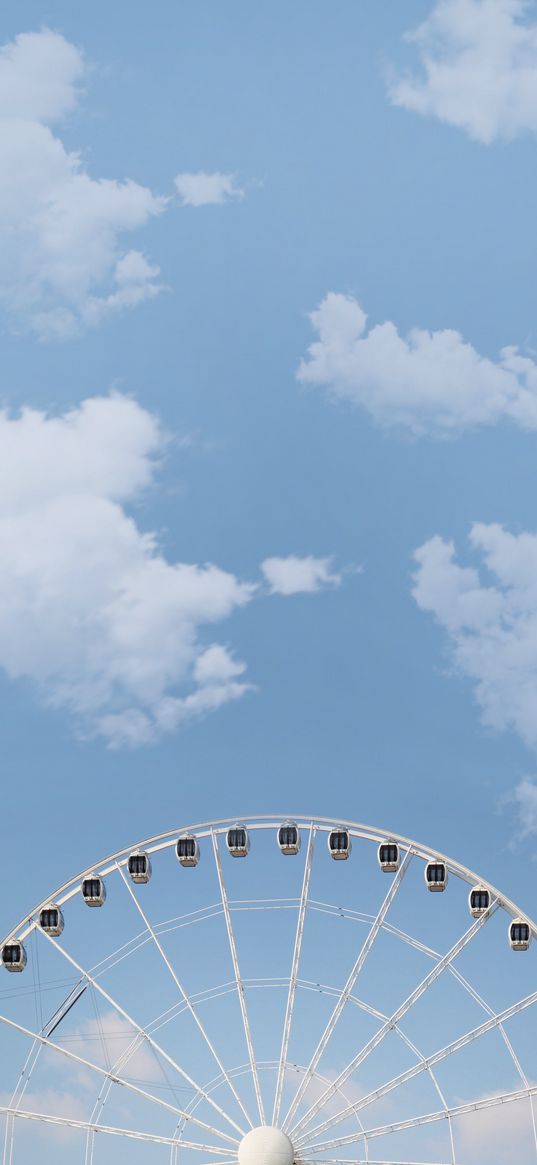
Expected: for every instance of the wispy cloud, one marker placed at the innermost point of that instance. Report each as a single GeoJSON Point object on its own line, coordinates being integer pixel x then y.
{"type": "Point", "coordinates": [294, 575]}
{"type": "Point", "coordinates": [524, 800]}
{"type": "Point", "coordinates": [206, 189]}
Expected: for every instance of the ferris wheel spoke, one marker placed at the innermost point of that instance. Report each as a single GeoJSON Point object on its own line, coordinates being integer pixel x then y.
{"type": "Point", "coordinates": [157, 1048]}
{"type": "Point", "coordinates": [367, 1161]}
{"type": "Point", "coordinates": [424, 1065]}
{"type": "Point", "coordinates": [111, 1076]}
{"type": "Point", "coordinates": [186, 999]}
{"type": "Point", "coordinates": [427, 1119]}
{"type": "Point", "coordinates": [238, 980]}
{"type": "Point", "coordinates": [110, 1130]}
{"type": "Point", "coordinates": [294, 976]}
{"type": "Point", "coordinates": [363, 954]}
{"type": "Point", "coordinates": [397, 1016]}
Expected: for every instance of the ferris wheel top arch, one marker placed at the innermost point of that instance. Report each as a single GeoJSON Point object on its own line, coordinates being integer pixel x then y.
{"type": "Point", "coordinates": [208, 829]}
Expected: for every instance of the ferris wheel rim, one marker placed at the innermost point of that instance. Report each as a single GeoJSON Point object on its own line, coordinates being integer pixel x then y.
{"type": "Point", "coordinates": [208, 828]}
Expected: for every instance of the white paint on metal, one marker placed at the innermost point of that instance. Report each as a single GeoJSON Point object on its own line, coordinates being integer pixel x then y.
{"type": "Point", "coordinates": [266, 1145]}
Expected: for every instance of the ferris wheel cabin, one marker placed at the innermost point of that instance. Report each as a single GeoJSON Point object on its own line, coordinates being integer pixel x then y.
{"type": "Point", "coordinates": [436, 876]}
{"type": "Point", "coordinates": [51, 920]}
{"type": "Point", "coordinates": [519, 934]}
{"type": "Point", "coordinates": [238, 841]}
{"type": "Point", "coordinates": [139, 867]}
{"type": "Point", "coordinates": [188, 851]}
{"type": "Point", "coordinates": [388, 857]}
{"type": "Point", "coordinates": [288, 838]}
{"type": "Point", "coordinates": [479, 901]}
{"type": "Point", "coordinates": [339, 844]}
{"type": "Point", "coordinates": [94, 891]}
{"type": "Point", "coordinates": [13, 957]}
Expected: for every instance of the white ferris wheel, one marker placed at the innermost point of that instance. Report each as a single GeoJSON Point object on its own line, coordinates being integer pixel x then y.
{"type": "Point", "coordinates": [340, 994]}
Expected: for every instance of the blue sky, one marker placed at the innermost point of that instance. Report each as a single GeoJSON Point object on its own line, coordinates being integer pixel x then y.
{"type": "Point", "coordinates": [268, 437]}
{"type": "Point", "coordinates": [359, 708]}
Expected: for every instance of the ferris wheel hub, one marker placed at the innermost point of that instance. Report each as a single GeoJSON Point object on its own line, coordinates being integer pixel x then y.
{"type": "Point", "coordinates": [266, 1145]}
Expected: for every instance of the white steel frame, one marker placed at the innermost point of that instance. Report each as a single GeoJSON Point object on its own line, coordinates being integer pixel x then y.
{"type": "Point", "coordinates": [310, 1131]}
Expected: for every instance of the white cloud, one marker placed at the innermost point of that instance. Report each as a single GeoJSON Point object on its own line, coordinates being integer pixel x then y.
{"type": "Point", "coordinates": [62, 265]}
{"type": "Point", "coordinates": [203, 189]}
{"type": "Point", "coordinates": [429, 382]}
{"type": "Point", "coordinates": [39, 75]}
{"type": "Point", "coordinates": [478, 68]}
{"type": "Point", "coordinates": [294, 575]}
{"type": "Point", "coordinates": [90, 610]}
{"type": "Point", "coordinates": [492, 625]}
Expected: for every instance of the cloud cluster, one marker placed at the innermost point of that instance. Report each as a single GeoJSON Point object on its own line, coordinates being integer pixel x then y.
{"type": "Point", "coordinates": [295, 576]}
{"type": "Point", "coordinates": [206, 189]}
{"type": "Point", "coordinates": [478, 68]}
{"type": "Point", "coordinates": [429, 382]}
{"type": "Point", "coordinates": [62, 263]}
{"type": "Point", "coordinates": [492, 624]}
{"type": "Point", "coordinates": [90, 609]}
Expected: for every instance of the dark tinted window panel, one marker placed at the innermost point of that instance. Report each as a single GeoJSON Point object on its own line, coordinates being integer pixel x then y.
{"type": "Point", "coordinates": [186, 847]}
{"type": "Point", "coordinates": [288, 835]}
{"type": "Point", "coordinates": [236, 838]}
{"type": "Point", "coordinates": [49, 919]}
{"type": "Point", "coordinates": [12, 954]}
{"type": "Point", "coordinates": [91, 888]}
{"type": "Point", "coordinates": [339, 840]}
{"type": "Point", "coordinates": [138, 864]}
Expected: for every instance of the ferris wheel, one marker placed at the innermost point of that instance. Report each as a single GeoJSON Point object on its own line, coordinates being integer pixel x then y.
{"type": "Point", "coordinates": [269, 992]}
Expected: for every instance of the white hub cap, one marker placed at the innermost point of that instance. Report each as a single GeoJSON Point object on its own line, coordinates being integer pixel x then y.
{"type": "Point", "coordinates": [265, 1146]}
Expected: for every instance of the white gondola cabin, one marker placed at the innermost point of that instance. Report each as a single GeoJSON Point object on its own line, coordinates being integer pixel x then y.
{"type": "Point", "coordinates": [339, 844]}
{"type": "Point", "coordinates": [13, 956]}
{"type": "Point", "coordinates": [389, 856]}
{"type": "Point", "coordinates": [238, 841]}
{"type": "Point", "coordinates": [139, 867]}
{"type": "Point", "coordinates": [479, 901]}
{"type": "Point", "coordinates": [519, 934]}
{"type": "Point", "coordinates": [51, 920]}
{"type": "Point", "coordinates": [187, 850]}
{"type": "Point", "coordinates": [436, 876]}
{"type": "Point", "coordinates": [289, 838]}
{"type": "Point", "coordinates": [94, 890]}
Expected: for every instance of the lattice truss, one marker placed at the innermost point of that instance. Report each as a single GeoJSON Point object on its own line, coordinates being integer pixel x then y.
{"type": "Point", "coordinates": [369, 1019]}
